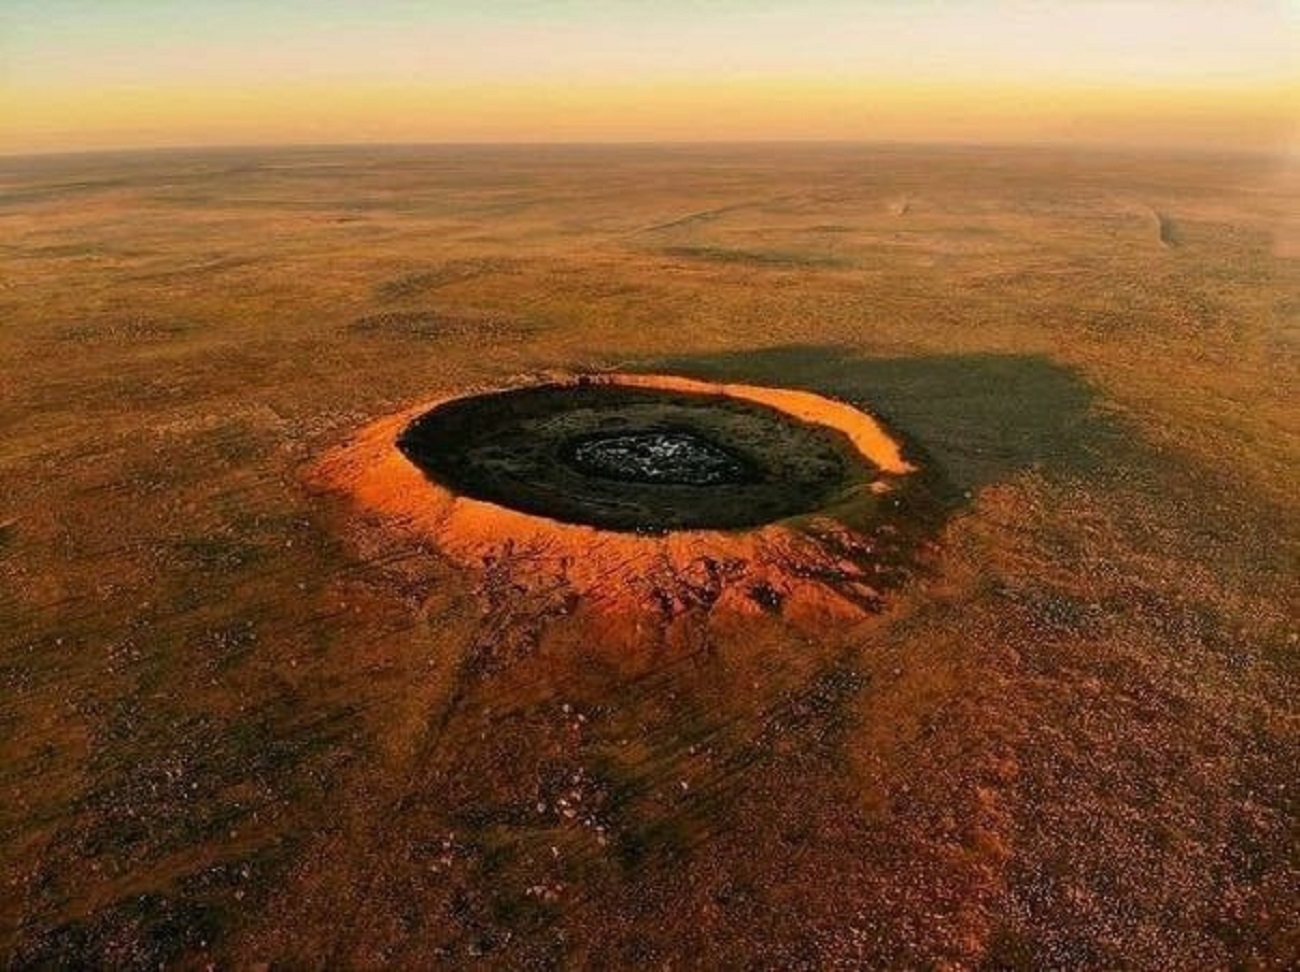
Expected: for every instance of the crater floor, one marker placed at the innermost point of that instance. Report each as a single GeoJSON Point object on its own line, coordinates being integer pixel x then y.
{"type": "Point", "coordinates": [635, 458]}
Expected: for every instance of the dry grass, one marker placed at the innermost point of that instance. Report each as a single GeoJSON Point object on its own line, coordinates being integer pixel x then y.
{"type": "Point", "coordinates": [239, 722]}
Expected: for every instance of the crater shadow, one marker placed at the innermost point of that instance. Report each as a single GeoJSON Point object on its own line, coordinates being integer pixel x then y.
{"type": "Point", "coordinates": [971, 419]}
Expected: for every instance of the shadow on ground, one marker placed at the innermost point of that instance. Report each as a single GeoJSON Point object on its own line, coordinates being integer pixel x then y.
{"type": "Point", "coordinates": [979, 418]}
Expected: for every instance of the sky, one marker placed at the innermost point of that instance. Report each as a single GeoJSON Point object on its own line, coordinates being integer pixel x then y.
{"type": "Point", "coordinates": [91, 74]}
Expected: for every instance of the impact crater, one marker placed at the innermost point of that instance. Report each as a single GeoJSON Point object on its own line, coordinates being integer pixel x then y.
{"type": "Point", "coordinates": [649, 493]}
{"type": "Point", "coordinates": [638, 458]}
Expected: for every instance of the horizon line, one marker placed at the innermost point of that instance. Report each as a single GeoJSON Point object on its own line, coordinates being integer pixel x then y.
{"type": "Point", "coordinates": [1287, 151]}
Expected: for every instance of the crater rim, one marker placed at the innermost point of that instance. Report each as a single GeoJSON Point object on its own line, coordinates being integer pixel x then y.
{"type": "Point", "coordinates": [762, 455]}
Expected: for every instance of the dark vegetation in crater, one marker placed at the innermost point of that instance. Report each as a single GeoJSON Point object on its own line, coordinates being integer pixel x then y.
{"type": "Point", "coordinates": [636, 459]}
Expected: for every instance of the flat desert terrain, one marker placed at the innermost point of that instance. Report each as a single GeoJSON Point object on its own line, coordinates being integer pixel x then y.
{"type": "Point", "coordinates": [247, 719]}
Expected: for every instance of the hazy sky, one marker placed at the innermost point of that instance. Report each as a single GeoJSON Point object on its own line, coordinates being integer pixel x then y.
{"type": "Point", "coordinates": [109, 73]}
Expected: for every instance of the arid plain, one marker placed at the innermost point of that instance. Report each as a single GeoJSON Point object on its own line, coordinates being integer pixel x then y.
{"type": "Point", "coordinates": [244, 720]}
